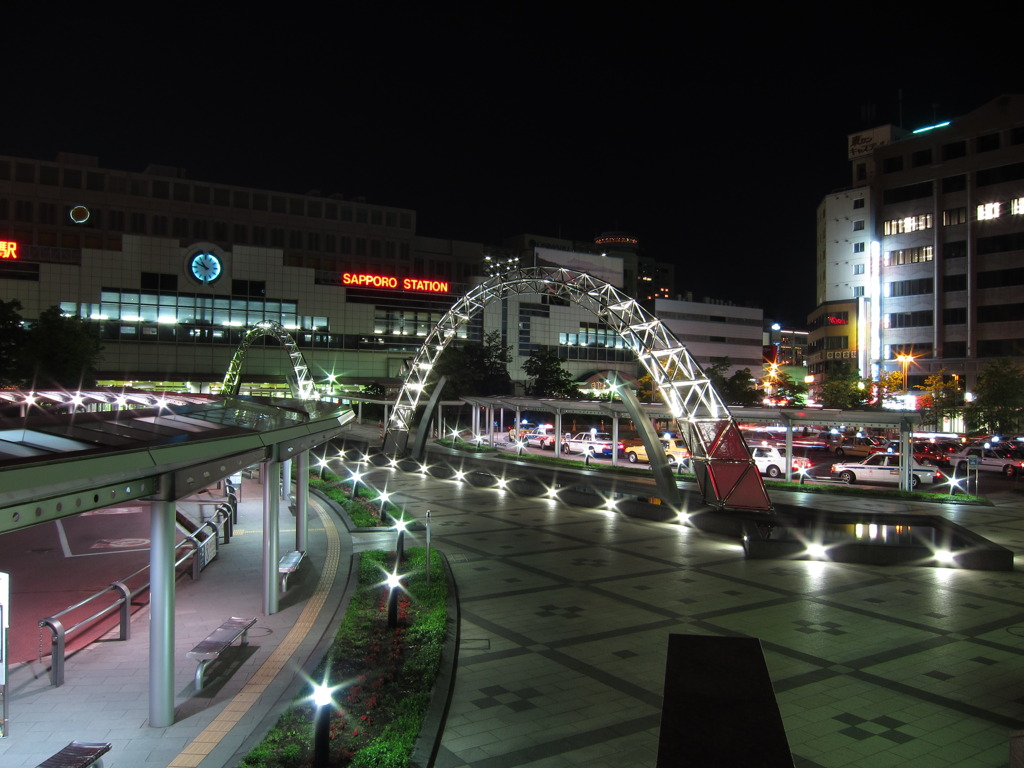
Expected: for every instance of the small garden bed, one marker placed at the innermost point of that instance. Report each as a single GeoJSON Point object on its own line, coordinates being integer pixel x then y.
{"type": "Point", "coordinates": [384, 677]}
{"type": "Point", "coordinates": [365, 509]}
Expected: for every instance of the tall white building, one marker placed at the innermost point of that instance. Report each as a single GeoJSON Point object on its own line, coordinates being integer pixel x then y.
{"type": "Point", "coordinates": [925, 252]}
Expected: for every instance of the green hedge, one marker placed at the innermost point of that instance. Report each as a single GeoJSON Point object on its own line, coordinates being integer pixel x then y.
{"type": "Point", "coordinates": [390, 673]}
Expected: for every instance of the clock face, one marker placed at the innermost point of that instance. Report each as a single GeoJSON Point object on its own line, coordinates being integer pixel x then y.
{"type": "Point", "coordinates": [205, 267]}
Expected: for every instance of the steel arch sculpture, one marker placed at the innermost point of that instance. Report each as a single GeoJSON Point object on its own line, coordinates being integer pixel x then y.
{"type": "Point", "coordinates": [301, 384]}
{"type": "Point", "coordinates": [725, 471]}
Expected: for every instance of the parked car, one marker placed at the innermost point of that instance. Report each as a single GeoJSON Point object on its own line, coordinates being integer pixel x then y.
{"type": "Point", "coordinates": [771, 460]}
{"type": "Point", "coordinates": [675, 449]}
{"type": "Point", "coordinates": [594, 443]}
{"type": "Point", "coordinates": [926, 453]}
{"type": "Point", "coordinates": [856, 447]}
{"type": "Point", "coordinates": [884, 468]}
{"type": "Point", "coordinates": [988, 460]}
{"type": "Point", "coordinates": [542, 437]}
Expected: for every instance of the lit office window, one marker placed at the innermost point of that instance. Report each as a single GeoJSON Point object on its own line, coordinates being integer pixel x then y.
{"type": "Point", "coordinates": [989, 211]}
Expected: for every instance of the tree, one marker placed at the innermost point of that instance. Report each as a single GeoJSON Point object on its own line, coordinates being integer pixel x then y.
{"type": "Point", "coordinates": [999, 397]}
{"type": "Point", "coordinates": [888, 386]}
{"type": "Point", "coordinates": [61, 351]}
{"type": "Point", "coordinates": [12, 343]}
{"type": "Point", "coordinates": [941, 398]}
{"type": "Point", "coordinates": [547, 377]}
{"type": "Point", "coordinates": [476, 369]}
{"type": "Point", "coordinates": [843, 388]}
{"type": "Point", "coordinates": [739, 389]}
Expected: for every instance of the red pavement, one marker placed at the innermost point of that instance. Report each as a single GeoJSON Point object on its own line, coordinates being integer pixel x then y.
{"type": "Point", "coordinates": [102, 547]}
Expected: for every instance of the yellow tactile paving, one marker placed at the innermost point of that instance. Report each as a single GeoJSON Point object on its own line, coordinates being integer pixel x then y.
{"type": "Point", "coordinates": [197, 750]}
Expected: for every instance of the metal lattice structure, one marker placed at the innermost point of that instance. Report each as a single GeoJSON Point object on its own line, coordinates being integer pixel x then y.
{"type": "Point", "coordinates": [722, 463]}
{"type": "Point", "coordinates": [301, 383]}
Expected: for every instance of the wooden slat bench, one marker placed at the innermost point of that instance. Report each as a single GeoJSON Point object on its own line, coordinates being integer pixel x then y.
{"type": "Point", "coordinates": [78, 754]}
{"type": "Point", "coordinates": [288, 565]}
{"type": "Point", "coordinates": [219, 641]}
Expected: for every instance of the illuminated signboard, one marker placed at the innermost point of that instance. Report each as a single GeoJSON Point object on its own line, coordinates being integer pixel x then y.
{"type": "Point", "coordinates": [8, 249]}
{"type": "Point", "coordinates": [365, 280]}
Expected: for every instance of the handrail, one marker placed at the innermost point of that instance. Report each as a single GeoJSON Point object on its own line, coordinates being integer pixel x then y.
{"type": "Point", "coordinates": [59, 633]}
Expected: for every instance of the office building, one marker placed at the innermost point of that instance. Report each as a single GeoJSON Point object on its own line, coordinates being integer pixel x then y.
{"type": "Point", "coordinates": [924, 254]}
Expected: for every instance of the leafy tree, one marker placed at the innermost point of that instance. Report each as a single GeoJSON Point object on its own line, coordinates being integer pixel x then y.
{"type": "Point", "coordinates": [889, 384]}
{"type": "Point", "coordinates": [999, 397]}
{"type": "Point", "coordinates": [547, 377]}
{"type": "Point", "coordinates": [476, 369]}
{"type": "Point", "coordinates": [785, 386]}
{"type": "Point", "coordinates": [843, 388]}
{"type": "Point", "coordinates": [377, 391]}
{"type": "Point", "coordinates": [739, 388]}
{"type": "Point", "coordinates": [61, 351]}
{"type": "Point", "coordinates": [12, 343]}
{"type": "Point", "coordinates": [941, 398]}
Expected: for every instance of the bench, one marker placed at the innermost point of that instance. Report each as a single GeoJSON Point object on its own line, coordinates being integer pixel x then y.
{"type": "Point", "coordinates": [289, 564]}
{"type": "Point", "coordinates": [78, 754]}
{"type": "Point", "coordinates": [219, 641]}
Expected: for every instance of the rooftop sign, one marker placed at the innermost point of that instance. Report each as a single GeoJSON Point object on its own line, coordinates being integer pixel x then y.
{"type": "Point", "coordinates": [8, 249]}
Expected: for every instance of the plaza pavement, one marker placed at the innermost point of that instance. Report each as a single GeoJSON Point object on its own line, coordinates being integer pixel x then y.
{"type": "Point", "coordinates": [566, 613]}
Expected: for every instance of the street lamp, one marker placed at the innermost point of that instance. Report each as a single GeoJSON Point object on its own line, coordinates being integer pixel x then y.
{"type": "Point", "coordinates": [323, 700]}
{"type": "Point", "coordinates": [905, 360]}
{"type": "Point", "coordinates": [394, 584]}
{"type": "Point", "coordinates": [400, 526]}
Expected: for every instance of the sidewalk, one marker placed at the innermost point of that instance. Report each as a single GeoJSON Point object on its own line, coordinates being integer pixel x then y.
{"type": "Point", "coordinates": [106, 693]}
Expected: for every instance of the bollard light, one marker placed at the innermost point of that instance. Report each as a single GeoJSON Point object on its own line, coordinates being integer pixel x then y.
{"type": "Point", "coordinates": [323, 700]}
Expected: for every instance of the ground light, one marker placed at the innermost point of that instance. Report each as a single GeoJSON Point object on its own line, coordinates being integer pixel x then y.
{"type": "Point", "coordinates": [383, 497]}
{"type": "Point", "coordinates": [394, 585]}
{"type": "Point", "coordinates": [816, 551]}
{"type": "Point", "coordinates": [356, 477]}
{"type": "Point", "coordinates": [944, 557]}
{"type": "Point", "coordinates": [400, 526]}
{"type": "Point", "coordinates": [323, 700]}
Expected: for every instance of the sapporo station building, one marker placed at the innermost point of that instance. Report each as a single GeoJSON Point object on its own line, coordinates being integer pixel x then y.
{"type": "Point", "coordinates": [174, 271]}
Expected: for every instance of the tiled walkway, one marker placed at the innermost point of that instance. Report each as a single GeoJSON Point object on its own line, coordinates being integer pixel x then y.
{"type": "Point", "coordinates": [566, 614]}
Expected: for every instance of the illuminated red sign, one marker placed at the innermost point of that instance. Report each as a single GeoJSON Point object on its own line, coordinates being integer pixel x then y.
{"type": "Point", "coordinates": [366, 280]}
{"type": "Point", "coordinates": [833, 320]}
{"type": "Point", "coordinates": [8, 249]}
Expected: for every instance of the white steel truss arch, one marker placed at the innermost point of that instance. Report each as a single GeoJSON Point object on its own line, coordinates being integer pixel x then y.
{"type": "Point", "coordinates": [722, 462]}
{"type": "Point", "coordinates": [301, 383]}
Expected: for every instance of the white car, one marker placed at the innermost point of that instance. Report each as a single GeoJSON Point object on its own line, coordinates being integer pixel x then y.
{"type": "Point", "coordinates": [542, 437]}
{"type": "Point", "coordinates": [771, 460]}
{"type": "Point", "coordinates": [884, 468]}
{"type": "Point", "coordinates": [986, 460]}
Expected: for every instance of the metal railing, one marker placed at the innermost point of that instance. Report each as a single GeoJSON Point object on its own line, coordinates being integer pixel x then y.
{"type": "Point", "coordinates": [59, 633]}
{"type": "Point", "coordinates": [222, 524]}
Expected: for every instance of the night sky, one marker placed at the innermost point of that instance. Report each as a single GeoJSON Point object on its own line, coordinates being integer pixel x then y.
{"type": "Point", "coordinates": [712, 137]}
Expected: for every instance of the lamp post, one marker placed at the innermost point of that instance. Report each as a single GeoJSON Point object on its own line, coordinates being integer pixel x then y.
{"type": "Point", "coordinates": [356, 477]}
{"type": "Point", "coordinates": [383, 498]}
{"type": "Point", "coordinates": [400, 526]}
{"type": "Point", "coordinates": [323, 700]}
{"type": "Point", "coordinates": [394, 584]}
{"type": "Point", "coordinates": [904, 360]}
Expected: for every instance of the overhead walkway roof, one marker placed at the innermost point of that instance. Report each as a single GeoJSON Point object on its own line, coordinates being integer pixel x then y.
{"type": "Point", "coordinates": [60, 456]}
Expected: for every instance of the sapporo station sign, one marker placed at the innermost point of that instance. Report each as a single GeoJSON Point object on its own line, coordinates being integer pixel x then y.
{"type": "Point", "coordinates": [368, 280]}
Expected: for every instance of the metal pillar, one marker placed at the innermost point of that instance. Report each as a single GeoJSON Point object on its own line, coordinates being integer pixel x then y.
{"type": "Point", "coordinates": [271, 475]}
{"type": "Point", "coordinates": [161, 614]}
{"type": "Point", "coordinates": [302, 502]}
{"type": "Point", "coordinates": [286, 478]}
{"type": "Point", "coordinates": [615, 439]}
{"type": "Point", "coordinates": [558, 434]}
